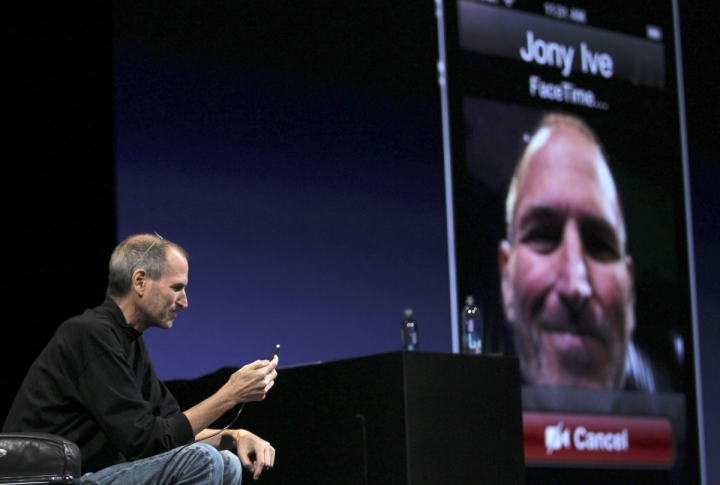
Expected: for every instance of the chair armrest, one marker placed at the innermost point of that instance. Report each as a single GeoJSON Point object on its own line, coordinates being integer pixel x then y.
{"type": "Point", "coordinates": [37, 456]}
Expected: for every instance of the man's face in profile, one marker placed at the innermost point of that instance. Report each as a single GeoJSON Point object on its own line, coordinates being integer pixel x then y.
{"type": "Point", "coordinates": [566, 279]}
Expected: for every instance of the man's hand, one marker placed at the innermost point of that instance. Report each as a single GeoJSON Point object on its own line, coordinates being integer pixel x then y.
{"type": "Point", "coordinates": [255, 453]}
{"type": "Point", "coordinates": [252, 382]}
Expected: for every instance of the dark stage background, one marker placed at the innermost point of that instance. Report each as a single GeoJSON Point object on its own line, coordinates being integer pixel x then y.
{"type": "Point", "coordinates": [348, 211]}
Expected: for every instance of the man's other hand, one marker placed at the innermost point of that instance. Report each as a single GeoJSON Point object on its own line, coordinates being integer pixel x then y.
{"type": "Point", "coordinates": [255, 453]}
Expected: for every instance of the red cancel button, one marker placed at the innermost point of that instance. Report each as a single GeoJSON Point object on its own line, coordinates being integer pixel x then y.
{"type": "Point", "coordinates": [582, 439]}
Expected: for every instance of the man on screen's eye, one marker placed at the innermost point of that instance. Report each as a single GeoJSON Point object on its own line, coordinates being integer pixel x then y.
{"type": "Point", "coordinates": [567, 280]}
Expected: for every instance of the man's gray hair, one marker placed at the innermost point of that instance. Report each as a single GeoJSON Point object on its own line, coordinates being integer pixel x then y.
{"type": "Point", "coordinates": [142, 251]}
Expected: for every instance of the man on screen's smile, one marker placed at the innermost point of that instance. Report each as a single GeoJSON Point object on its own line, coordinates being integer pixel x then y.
{"type": "Point", "coordinates": [567, 281]}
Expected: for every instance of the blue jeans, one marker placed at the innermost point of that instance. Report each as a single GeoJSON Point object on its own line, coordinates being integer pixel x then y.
{"type": "Point", "coordinates": [198, 464]}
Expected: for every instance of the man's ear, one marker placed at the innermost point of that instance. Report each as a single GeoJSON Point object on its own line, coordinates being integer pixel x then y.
{"type": "Point", "coordinates": [508, 295]}
{"type": "Point", "coordinates": [139, 281]}
{"type": "Point", "coordinates": [630, 268]}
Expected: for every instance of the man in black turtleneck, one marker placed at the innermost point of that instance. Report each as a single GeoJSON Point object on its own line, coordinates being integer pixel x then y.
{"type": "Point", "coordinates": [95, 385]}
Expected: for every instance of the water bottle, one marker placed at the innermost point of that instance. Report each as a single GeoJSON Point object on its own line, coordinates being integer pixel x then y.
{"type": "Point", "coordinates": [409, 331]}
{"type": "Point", "coordinates": [472, 328]}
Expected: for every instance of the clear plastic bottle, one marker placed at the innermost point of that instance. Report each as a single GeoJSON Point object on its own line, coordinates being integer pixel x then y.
{"type": "Point", "coordinates": [409, 331]}
{"type": "Point", "coordinates": [471, 324]}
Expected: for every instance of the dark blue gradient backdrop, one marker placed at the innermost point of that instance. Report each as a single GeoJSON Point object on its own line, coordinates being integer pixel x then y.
{"type": "Point", "coordinates": [313, 215]}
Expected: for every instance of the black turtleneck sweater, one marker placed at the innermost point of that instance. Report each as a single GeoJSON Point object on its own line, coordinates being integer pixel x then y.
{"type": "Point", "coordinates": [94, 384]}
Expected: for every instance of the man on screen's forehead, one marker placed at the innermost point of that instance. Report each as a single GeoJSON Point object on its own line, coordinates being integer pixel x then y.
{"type": "Point", "coordinates": [567, 281]}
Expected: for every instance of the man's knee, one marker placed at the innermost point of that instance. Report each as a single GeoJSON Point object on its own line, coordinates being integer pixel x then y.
{"type": "Point", "coordinates": [201, 460]}
{"type": "Point", "coordinates": [233, 468]}
{"type": "Point", "coordinates": [224, 466]}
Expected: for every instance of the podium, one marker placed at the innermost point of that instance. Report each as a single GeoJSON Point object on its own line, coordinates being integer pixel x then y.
{"type": "Point", "coordinates": [399, 418]}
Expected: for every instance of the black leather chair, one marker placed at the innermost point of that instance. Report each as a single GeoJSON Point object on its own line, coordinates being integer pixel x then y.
{"type": "Point", "coordinates": [38, 458]}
